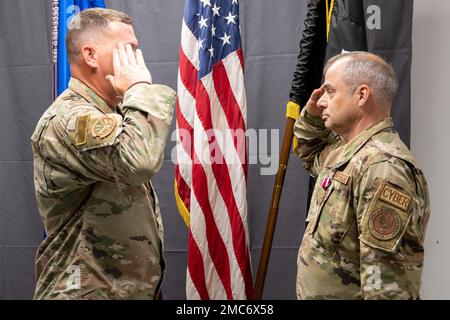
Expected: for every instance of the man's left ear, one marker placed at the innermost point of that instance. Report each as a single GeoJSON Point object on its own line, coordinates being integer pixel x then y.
{"type": "Point", "coordinates": [362, 92]}
{"type": "Point", "coordinates": [89, 55]}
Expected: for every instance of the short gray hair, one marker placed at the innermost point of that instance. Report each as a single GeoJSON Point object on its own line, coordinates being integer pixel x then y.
{"type": "Point", "coordinates": [88, 21]}
{"type": "Point", "coordinates": [362, 67]}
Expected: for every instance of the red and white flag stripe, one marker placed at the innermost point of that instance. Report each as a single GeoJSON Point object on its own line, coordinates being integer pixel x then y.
{"type": "Point", "coordinates": [211, 174]}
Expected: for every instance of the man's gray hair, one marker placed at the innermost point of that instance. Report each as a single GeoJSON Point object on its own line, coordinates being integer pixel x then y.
{"type": "Point", "coordinates": [90, 20]}
{"type": "Point", "coordinates": [360, 67]}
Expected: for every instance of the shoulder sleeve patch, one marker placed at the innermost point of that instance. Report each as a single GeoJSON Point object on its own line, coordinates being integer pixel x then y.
{"type": "Point", "coordinates": [395, 197]}
{"type": "Point", "coordinates": [81, 129]}
{"type": "Point", "coordinates": [95, 130]}
{"type": "Point", "coordinates": [384, 223]}
{"type": "Point", "coordinates": [102, 127]}
{"type": "Point", "coordinates": [386, 218]}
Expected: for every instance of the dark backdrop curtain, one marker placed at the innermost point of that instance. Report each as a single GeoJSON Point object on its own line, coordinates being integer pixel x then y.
{"type": "Point", "coordinates": [271, 31]}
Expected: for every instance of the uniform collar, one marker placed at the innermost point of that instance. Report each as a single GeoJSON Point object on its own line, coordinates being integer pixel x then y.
{"type": "Point", "coordinates": [345, 152]}
{"type": "Point", "coordinates": [89, 95]}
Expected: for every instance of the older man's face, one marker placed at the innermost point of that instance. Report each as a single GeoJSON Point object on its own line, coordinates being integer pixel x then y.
{"type": "Point", "coordinates": [340, 107]}
{"type": "Point", "coordinates": [117, 32]}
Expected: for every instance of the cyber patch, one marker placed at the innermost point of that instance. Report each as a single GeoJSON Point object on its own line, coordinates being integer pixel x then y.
{"type": "Point", "coordinates": [395, 197]}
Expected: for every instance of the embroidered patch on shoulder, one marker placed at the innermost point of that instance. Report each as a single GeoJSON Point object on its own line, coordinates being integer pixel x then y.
{"type": "Point", "coordinates": [395, 197]}
{"type": "Point", "coordinates": [385, 224]}
{"type": "Point", "coordinates": [341, 177]}
{"type": "Point", "coordinates": [82, 129]}
{"type": "Point", "coordinates": [103, 127]}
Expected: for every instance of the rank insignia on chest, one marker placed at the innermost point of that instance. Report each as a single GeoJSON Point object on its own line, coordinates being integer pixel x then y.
{"type": "Point", "coordinates": [326, 182]}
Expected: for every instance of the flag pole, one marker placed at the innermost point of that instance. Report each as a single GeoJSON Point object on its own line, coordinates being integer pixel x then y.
{"type": "Point", "coordinates": [273, 210]}
{"type": "Point", "coordinates": [307, 77]}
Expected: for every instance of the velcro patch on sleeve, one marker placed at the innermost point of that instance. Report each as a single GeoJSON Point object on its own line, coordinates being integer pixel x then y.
{"type": "Point", "coordinates": [96, 130]}
{"type": "Point", "coordinates": [395, 197]}
{"type": "Point", "coordinates": [103, 126]}
{"type": "Point", "coordinates": [385, 222]}
{"type": "Point", "coordinates": [82, 129]}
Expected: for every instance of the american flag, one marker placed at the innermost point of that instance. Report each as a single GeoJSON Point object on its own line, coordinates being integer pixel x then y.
{"type": "Point", "coordinates": [211, 170]}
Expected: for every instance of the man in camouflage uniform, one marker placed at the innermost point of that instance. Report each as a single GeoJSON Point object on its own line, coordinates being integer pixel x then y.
{"type": "Point", "coordinates": [95, 150]}
{"type": "Point", "coordinates": [370, 206]}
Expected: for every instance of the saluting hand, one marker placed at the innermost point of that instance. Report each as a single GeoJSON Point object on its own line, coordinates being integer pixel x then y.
{"type": "Point", "coordinates": [129, 69]}
{"type": "Point", "coordinates": [311, 106]}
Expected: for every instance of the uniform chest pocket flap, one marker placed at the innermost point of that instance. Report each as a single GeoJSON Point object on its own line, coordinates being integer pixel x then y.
{"type": "Point", "coordinates": [334, 213]}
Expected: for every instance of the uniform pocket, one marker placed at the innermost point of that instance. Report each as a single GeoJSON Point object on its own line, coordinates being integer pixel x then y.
{"type": "Point", "coordinates": [334, 217]}
{"type": "Point", "coordinates": [314, 220]}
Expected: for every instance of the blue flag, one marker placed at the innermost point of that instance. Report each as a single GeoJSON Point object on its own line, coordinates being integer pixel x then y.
{"type": "Point", "coordinates": [62, 13]}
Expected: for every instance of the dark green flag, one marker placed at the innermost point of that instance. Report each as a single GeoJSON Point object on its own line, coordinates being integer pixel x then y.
{"type": "Point", "coordinates": [346, 21]}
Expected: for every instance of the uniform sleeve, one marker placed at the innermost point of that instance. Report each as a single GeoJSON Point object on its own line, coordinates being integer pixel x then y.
{"type": "Point", "coordinates": [315, 142]}
{"type": "Point", "coordinates": [119, 148]}
{"type": "Point", "coordinates": [391, 231]}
